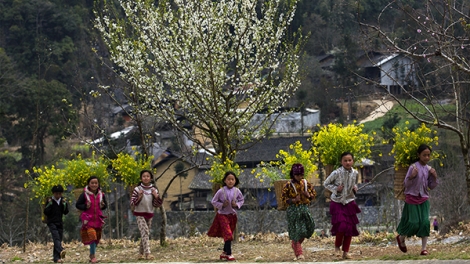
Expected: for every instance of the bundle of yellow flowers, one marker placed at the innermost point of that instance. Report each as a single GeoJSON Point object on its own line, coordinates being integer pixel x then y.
{"type": "Point", "coordinates": [219, 168]}
{"type": "Point", "coordinates": [406, 143]}
{"type": "Point", "coordinates": [43, 179]}
{"type": "Point", "coordinates": [332, 140]}
{"type": "Point", "coordinates": [79, 170]}
{"type": "Point", "coordinates": [128, 168]}
{"type": "Point", "coordinates": [280, 169]}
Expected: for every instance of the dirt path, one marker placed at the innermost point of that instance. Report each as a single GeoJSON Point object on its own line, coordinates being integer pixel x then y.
{"type": "Point", "coordinates": [384, 107]}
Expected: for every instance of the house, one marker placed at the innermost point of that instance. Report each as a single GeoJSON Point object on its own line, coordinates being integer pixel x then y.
{"type": "Point", "coordinates": [391, 70]}
{"type": "Point", "coordinates": [167, 165]}
{"type": "Point", "coordinates": [257, 194]}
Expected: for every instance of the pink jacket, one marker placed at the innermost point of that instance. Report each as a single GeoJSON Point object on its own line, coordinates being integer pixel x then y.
{"type": "Point", "coordinates": [91, 217]}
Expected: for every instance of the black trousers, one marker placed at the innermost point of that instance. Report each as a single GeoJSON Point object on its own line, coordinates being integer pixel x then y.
{"type": "Point", "coordinates": [57, 232]}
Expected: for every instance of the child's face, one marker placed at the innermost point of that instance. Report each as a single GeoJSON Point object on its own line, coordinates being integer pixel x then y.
{"type": "Point", "coordinates": [57, 195]}
{"type": "Point", "coordinates": [347, 161]}
{"type": "Point", "coordinates": [230, 181]}
{"type": "Point", "coordinates": [298, 177]}
{"type": "Point", "coordinates": [425, 156]}
{"type": "Point", "coordinates": [93, 185]}
{"type": "Point", "coordinates": [146, 178]}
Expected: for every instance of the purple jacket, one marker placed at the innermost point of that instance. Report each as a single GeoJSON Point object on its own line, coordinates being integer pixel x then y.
{"type": "Point", "coordinates": [422, 183]}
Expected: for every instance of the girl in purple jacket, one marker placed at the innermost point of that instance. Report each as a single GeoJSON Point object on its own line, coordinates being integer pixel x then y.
{"type": "Point", "coordinates": [415, 216]}
{"type": "Point", "coordinates": [91, 202]}
{"type": "Point", "coordinates": [226, 200]}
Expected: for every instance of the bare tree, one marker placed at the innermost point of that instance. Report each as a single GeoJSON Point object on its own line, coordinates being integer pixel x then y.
{"type": "Point", "coordinates": [435, 36]}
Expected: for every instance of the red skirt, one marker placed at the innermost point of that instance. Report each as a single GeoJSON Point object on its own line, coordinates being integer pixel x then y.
{"type": "Point", "coordinates": [223, 226]}
{"type": "Point", "coordinates": [344, 218]}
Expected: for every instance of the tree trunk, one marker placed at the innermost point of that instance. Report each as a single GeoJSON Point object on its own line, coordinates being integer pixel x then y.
{"type": "Point", "coordinates": [163, 227]}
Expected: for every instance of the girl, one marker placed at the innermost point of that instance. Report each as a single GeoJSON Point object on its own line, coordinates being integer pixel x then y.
{"type": "Point", "coordinates": [298, 193]}
{"type": "Point", "coordinates": [415, 216]}
{"type": "Point", "coordinates": [91, 202]}
{"type": "Point", "coordinates": [226, 200]}
{"type": "Point", "coordinates": [144, 199]}
{"type": "Point", "coordinates": [343, 208]}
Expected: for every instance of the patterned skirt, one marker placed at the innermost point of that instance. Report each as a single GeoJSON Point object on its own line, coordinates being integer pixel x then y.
{"type": "Point", "coordinates": [223, 226]}
{"type": "Point", "coordinates": [300, 223]}
{"type": "Point", "coordinates": [344, 218]}
{"type": "Point", "coordinates": [415, 220]}
{"type": "Point", "coordinates": [90, 235]}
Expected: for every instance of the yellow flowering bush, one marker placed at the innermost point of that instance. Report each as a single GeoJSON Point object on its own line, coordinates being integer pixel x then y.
{"type": "Point", "coordinates": [219, 168]}
{"type": "Point", "coordinates": [128, 168]}
{"type": "Point", "coordinates": [334, 139]}
{"type": "Point", "coordinates": [406, 143]}
{"type": "Point", "coordinates": [47, 177]}
{"type": "Point", "coordinates": [79, 170]}
{"type": "Point", "coordinates": [280, 169]}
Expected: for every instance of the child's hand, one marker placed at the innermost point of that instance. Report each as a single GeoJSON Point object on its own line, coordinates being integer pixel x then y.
{"type": "Point", "coordinates": [101, 204]}
{"type": "Point", "coordinates": [306, 194]}
{"type": "Point", "coordinates": [155, 193]}
{"type": "Point", "coordinates": [414, 172]}
{"type": "Point", "coordinates": [339, 188]}
{"type": "Point", "coordinates": [88, 204]}
{"type": "Point", "coordinates": [225, 204]}
{"type": "Point", "coordinates": [234, 203]}
{"type": "Point", "coordinates": [49, 200]}
{"type": "Point", "coordinates": [432, 171]}
{"type": "Point", "coordinates": [297, 199]}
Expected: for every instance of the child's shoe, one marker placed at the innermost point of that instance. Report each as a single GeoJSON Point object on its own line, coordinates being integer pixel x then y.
{"type": "Point", "coordinates": [230, 258]}
{"type": "Point", "coordinates": [223, 255]}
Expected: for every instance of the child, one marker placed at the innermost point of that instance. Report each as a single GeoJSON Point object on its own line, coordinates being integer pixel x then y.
{"type": "Point", "coordinates": [298, 193]}
{"type": "Point", "coordinates": [343, 208]}
{"type": "Point", "coordinates": [419, 179]}
{"type": "Point", "coordinates": [91, 202]}
{"type": "Point", "coordinates": [144, 199]}
{"type": "Point", "coordinates": [55, 209]}
{"type": "Point", "coordinates": [226, 200]}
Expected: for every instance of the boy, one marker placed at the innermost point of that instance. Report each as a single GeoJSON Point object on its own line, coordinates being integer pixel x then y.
{"type": "Point", "coordinates": [56, 207]}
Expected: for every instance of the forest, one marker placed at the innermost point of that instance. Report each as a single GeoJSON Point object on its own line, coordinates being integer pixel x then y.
{"type": "Point", "coordinates": [54, 65]}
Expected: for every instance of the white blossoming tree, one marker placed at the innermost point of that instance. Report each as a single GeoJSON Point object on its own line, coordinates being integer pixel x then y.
{"type": "Point", "coordinates": [206, 67]}
{"type": "Point", "coordinates": [436, 35]}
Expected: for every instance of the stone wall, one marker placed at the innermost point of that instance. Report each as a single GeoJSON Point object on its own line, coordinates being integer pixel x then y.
{"type": "Point", "coordinates": [190, 223]}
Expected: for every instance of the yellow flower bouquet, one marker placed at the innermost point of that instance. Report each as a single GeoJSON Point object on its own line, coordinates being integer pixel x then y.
{"type": "Point", "coordinates": [280, 169]}
{"type": "Point", "coordinates": [219, 168]}
{"type": "Point", "coordinates": [334, 139]}
{"type": "Point", "coordinates": [128, 168]}
{"type": "Point", "coordinates": [406, 143]}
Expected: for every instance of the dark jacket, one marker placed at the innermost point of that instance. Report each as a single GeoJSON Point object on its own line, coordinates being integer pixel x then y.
{"type": "Point", "coordinates": [55, 212]}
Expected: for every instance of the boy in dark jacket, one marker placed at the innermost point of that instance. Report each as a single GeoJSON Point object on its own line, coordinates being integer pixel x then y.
{"type": "Point", "coordinates": [55, 208]}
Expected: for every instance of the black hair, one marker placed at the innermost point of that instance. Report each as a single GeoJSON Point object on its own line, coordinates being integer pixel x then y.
{"type": "Point", "coordinates": [151, 176]}
{"type": "Point", "coordinates": [94, 177]}
{"type": "Point", "coordinates": [423, 147]}
{"type": "Point", "coordinates": [57, 188]}
{"type": "Point", "coordinates": [237, 181]}
{"type": "Point", "coordinates": [345, 154]}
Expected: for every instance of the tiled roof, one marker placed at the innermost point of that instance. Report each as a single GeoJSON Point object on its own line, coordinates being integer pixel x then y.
{"type": "Point", "coordinates": [266, 149]}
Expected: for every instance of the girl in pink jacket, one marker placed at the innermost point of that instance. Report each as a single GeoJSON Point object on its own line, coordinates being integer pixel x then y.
{"type": "Point", "coordinates": [91, 202]}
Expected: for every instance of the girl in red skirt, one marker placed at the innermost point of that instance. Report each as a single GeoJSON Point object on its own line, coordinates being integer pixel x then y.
{"type": "Point", "coordinates": [343, 208]}
{"type": "Point", "coordinates": [226, 200]}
